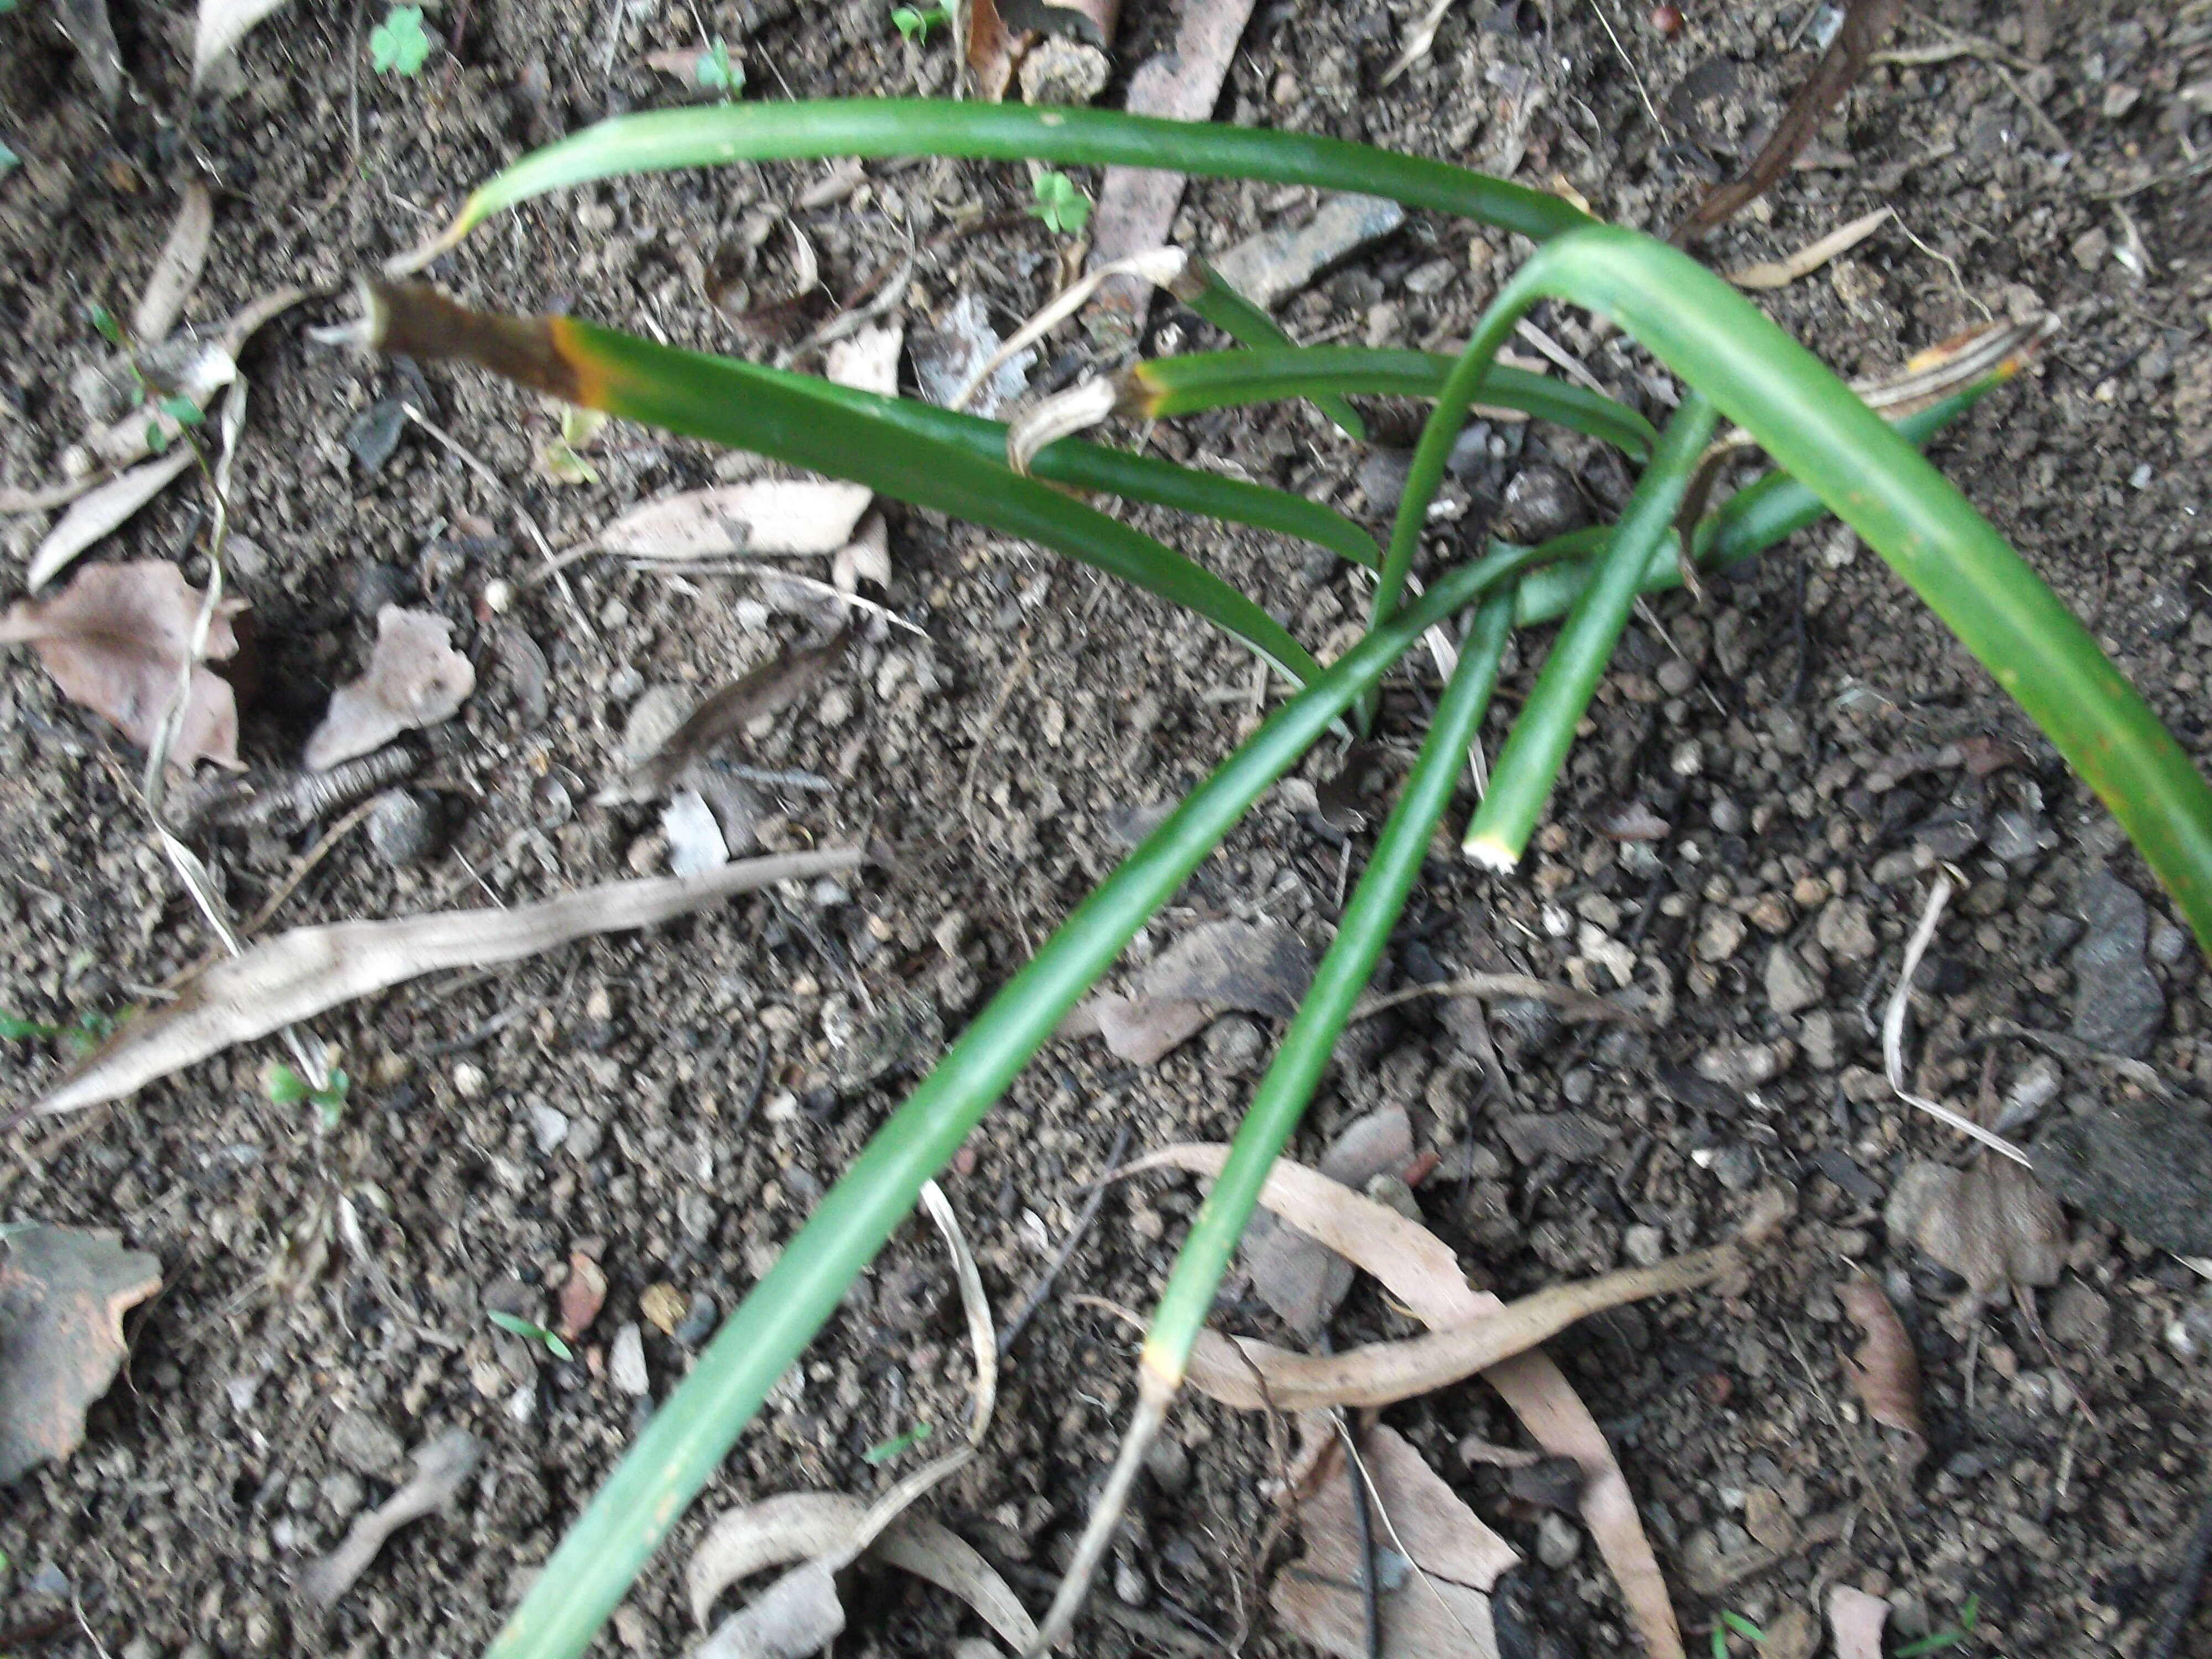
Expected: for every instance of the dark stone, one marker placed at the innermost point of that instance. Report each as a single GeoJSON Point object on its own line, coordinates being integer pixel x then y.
{"type": "Point", "coordinates": [2145, 1165]}
{"type": "Point", "coordinates": [2117, 1003]}
{"type": "Point", "coordinates": [1573, 1136]}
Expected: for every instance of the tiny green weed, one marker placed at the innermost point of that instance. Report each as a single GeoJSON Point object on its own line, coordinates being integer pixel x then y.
{"type": "Point", "coordinates": [399, 45]}
{"type": "Point", "coordinates": [1742, 1626]}
{"type": "Point", "coordinates": [1954, 1636]}
{"type": "Point", "coordinates": [883, 1450]}
{"type": "Point", "coordinates": [914, 22]}
{"type": "Point", "coordinates": [78, 1038]}
{"type": "Point", "coordinates": [537, 1334]}
{"type": "Point", "coordinates": [1063, 207]}
{"type": "Point", "coordinates": [8, 160]}
{"type": "Point", "coordinates": [717, 73]}
{"type": "Point", "coordinates": [286, 1087]}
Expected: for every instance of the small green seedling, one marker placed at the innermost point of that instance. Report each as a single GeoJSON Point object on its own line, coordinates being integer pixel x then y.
{"type": "Point", "coordinates": [914, 22]}
{"type": "Point", "coordinates": [1956, 1636]}
{"type": "Point", "coordinates": [1742, 1626]}
{"type": "Point", "coordinates": [399, 45]}
{"type": "Point", "coordinates": [883, 1450]}
{"type": "Point", "coordinates": [79, 1037]}
{"type": "Point", "coordinates": [286, 1087]}
{"type": "Point", "coordinates": [1061, 206]}
{"type": "Point", "coordinates": [537, 1334]}
{"type": "Point", "coordinates": [183, 411]}
{"type": "Point", "coordinates": [8, 160]}
{"type": "Point", "coordinates": [716, 72]}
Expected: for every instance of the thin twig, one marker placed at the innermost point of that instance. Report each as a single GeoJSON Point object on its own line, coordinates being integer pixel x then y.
{"type": "Point", "coordinates": [1578, 1005]}
{"type": "Point", "coordinates": [1892, 1028]}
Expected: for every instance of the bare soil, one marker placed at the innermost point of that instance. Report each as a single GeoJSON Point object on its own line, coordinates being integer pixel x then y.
{"type": "Point", "coordinates": [671, 1104]}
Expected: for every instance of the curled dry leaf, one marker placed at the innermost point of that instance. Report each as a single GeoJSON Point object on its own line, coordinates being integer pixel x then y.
{"type": "Point", "coordinates": [116, 640]}
{"type": "Point", "coordinates": [63, 1295]}
{"type": "Point", "coordinates": [582, 1294]}
{"type": "Point", "coordinates": [1441, 1611]}
{"type": "Point", "coordinates": [222, 25]}
{"type": "Point", "coordinates": [1855, 1621]}
{"type": "Point", "coordinates": [1993, 1224]}
{"type": "Point", "coordinates": [1884, 1371]}
{"type": "Point", "coordinates": [99, 513]}
{"type": "Point", "coordinates": [176, 269]}
{"type": "Point", "coordinates": [414, 678]}
{"type": "Point", "coordinates": [440, 1469]}
{"type": "Point", "coordinates": [802, 1525]}
{"type": "Point", "coordinates": [1420, 1270]}
{"type": "Point", "coordinates": [297, 974]}
{"type": "Point", "coordinates": [772, 687]}
{"type": "Point", "coordinates": [1256, 1376]}
{"type": "Point", "coordinates": [1257, 967]}
{"type": "Point", "coordinates": [761, 516]}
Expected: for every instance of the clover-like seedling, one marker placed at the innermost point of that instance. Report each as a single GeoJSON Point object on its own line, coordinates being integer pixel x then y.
{"type": "Point", "coordinates": [716, 72]}
{"type": "Point", "coordinates": [399, 45]}
{"type": "Point", "coordinates": [286, 1087]}
{"type": "Point", "coordinates": [537, 1334]}
{"type": "Point", "coordinates": [1063, 207]}
{"type": "Point", "coordinates": [914, 22]}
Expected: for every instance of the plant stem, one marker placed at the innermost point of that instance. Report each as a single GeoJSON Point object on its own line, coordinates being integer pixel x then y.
{"type": "Point", "coordinates": [1521, 780]}
{"type": "Point", "coordinates": [1249, 324]}
{"type": "Point", "coordinates": [687, 1440]}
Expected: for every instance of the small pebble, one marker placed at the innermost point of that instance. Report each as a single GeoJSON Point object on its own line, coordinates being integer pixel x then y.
{"type": "Point", "coordinates": [626, 1362]}
{"type": "Point", "coordinates": [1645, 1246]}
{"type": "Point", "coordinates": [401, 827]}
{"type": "Point", "coordinates": [1558, 1541]}
{"type": "Point", "coordinates": [700, 1317]}
{"type": "Point", "coordinates": [1234, 1044]}
{"type": "Point", "coordinates": [549, 1127]}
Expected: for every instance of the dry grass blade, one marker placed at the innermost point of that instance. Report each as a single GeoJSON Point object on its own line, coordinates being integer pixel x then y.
{"type": "Point", "coordinates": [1423, 1273]}
{"type": "Point", "coordinates": [100, 513]}
{"type": "Point", "coordinates": [1256, 1376]}
{"type": "Point", "coordinates": [1572, 1005]}
{"type": "Point", "coordinates": [1780, 273]}
{"type": "Point", "coordinates": [1885, 1371]}
{"type": "Point", "coordinates": [440, 1469]}
{"type": "Point", "coordinates": [1162, 267]}
{"type": "Point", "coordinates": [1866, 23]}
{"type": "Point", "coordinates": [1893, 1027]}
{"type": "Point", "coordinates": [177, 269]}
{"type": "Point", "coordinates": [1419, 39]}
{"type": "Point", "coordinates": [303, 972]}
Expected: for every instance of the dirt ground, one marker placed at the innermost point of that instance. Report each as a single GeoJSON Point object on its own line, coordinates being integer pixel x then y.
{"type": "Point", "coordinates": [671, 1104]}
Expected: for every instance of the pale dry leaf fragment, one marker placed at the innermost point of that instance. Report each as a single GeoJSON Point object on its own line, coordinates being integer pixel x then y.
{"type": "Point", "coordinates": [1780, 273]}
{"type": "Point", "coordinates": [441, 1468]}
{"type": "Point", "coordinates": [798, 1615]}
{"type": "Point", "coordinates": [1256, 1375]}
{"type": "Point", "coordinates": [761, 516]}
{"type": "Point", "coordinates": [1994, 1224]}
{"type": "Point", "coordinates": [177, 268]}
{"type": "Point", "coordinates": [222, 24]}
{"type": "Point", "coordinates": [583, 1293]}
{"type": "Point", "coordinates": [63, 1295]}
{"type": "Point", "coordinates": [299, 973]}
{"type": "Point", "coordinates": [811, 1525]}
{"type": "Point", "coordinates": [115, 640]}
{"type": "Point", "coordinates": [1435, 1603]}
{"type": "Point", "coordinates": [867, 557]}
{"type": "Point", "coordinates": [414, 678]}
{"type": "Point", "coordinates": [868, 361]}
{"type": "Point", "coordinates": [767, 689]}
{"type": "Point", "coordinates": [1257, 967]}
{"type": "Point", "coordinates": [99, 513]}
{"type": "Point", "coordinates": [1855, 1621]}
{"type": "Point", "coordinates": [1420, 1270]}
{"type": "Point", "coordinates": [695, 834]}
{"type": "Point", "coordinates": [86, 23]}
{"type": "Point", "coordinates": [1419, 39]}
{"type": "Point", "coordinates": [1885, 1371]}
{"type": "Point", "coordinates": [199, 377]}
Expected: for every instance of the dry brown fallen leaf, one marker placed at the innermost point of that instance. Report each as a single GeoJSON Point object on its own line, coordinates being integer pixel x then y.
{"type": "Point", "coordinates": [802, 1525]}
{"type": "Point", "coordinates": [866, 360]}
{"type": "Point", "coordinates": [1993, 1223]}
{"type": "Point", "coordinates": [761, 516]}
{"type": "Point", "coordinates": [1441, 1611]}
{"type": "Point", "coordinates": [1884, 1371]}
{"type": "Point", "coordinates": [1854, 1620]}
{"type": "Point", "coordinates": [772, 687]}
{"type": "Point", "coordinates": [63, 1295]}
{"type": "Point", "coordinates": [1258, 967]}
{"type": "Point", "coordinates": [1256, 1375]}
{"type": "Point", "coordinates": [414, 678]}
{"type": "Point", "coordinates": [116, 638]}
{"type": "Point", "coordinates": [583, 1293]}
{"type": "Point", "coordinates": [297, 974]}
{"type": "Point", "coordinates": [440, 1469]}
{"type": "Point", "coordinates": [1420, 1270]}
{"type": "Point", "coordinates": [177, 268]}
{"type": "Point", "coordinates": [98, 513]}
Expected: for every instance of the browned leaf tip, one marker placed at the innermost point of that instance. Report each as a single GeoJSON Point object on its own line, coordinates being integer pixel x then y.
{"type": "Point", "coordinates": [1885, 1371]}
{"type": "Point", "coordinates": [63, 1295]}
{"type": "Point", "coordinates": [413, 319]}
{"type": "Point", "coordinates": [116, 638]}
{"type": "Point", "coordinates": [1866, 24]}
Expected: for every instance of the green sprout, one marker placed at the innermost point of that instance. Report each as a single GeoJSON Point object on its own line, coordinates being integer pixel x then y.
{"type": "Point", "coordinates": [531, 1333]}
{"type": "Point", "coordinates": [78, 1038]}
{"type": "Point", "coordinates": [1832, 453]}
{"type": "Point", "coordinates": [883, 1450]}
{"type": "Point", "coordinates": [399, 45]}
{"type": "Point", "coordinates": [717, 72]}
{"type": "Point", "coordinates": [8, 160]}
{"type": "Point", "coordinates": [1064, 209]}
{"type": "Point", "coordinates": [914, 22]}
{"type": "Point", "coordinates": [1954, 1636]}
{"type": "Point", "coordinates": [1742, 1626]}
{"type": "Point", "coordinates": [286, 1087]}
